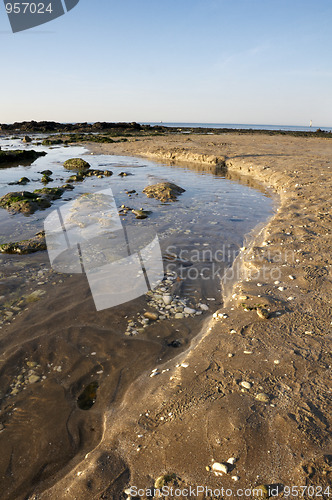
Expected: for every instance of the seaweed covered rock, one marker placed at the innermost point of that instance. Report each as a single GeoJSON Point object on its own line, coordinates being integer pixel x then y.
{"type": "Point", "coordinates": [50, 193]}
{"type": "Point", "coordinates": [27, 203]}
{"type": "Point", "coordinates": [34, 244]}
{"type": "Point", "coordinates": [24, 202]}
{"type": "Point", "coordinates": [76, 164]}
{"type": "Point", "coordinates": [27, 139]}
{"type": "Point", "coordinates": [164, 191]}
{"type": "Point", "coordinates": [16, 156]}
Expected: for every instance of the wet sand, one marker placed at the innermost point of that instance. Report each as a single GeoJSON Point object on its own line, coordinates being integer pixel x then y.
{"type": "Point", "coordinates": [196, 411]}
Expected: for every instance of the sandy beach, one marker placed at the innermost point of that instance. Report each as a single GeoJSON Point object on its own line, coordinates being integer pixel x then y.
{"type": "Point", "coordinates": [253, 386]}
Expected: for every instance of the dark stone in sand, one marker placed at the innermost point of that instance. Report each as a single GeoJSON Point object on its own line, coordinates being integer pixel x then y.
{"type": "Point", "coordinates": [87, 398]}
{"type": "Point", "coordinates": [76, 164]}
{"type": "Point", "coordinates": [46, 172]}
{"type": "Point", "coordinates": [32, 245]}
{"type": "Point", "coordinates": [164, 191]}
{"type": "Point", "coordinates": [16, 156]}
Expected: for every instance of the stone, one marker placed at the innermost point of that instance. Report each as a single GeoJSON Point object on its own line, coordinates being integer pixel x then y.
{"type": "Point", "coordinates": [141, 214]}
{"type": "Point", "coordinates": [219, 467]}
{"type": "Point", "coordinates": [264, 398]}
{"type": "Point", "coordinates": [262, 313]}
{"type": "Point", "coordinates": [245, 385]}
{"type": "Point", "coordinates": [34, 244]}
{"type": "Point", "coordinates": [204, 307]}
{"type": "Point", "coordinates": [161, 481]}
{"type": "Point", "coordinates": [163, 191]}
{"type": "Point", "coordinates": [178, 315]}
{"type": "Point", "coordinates": [167, 299]}
{"type": "Point", "coordinates": [189, 310]}
{"type": "Point", "coordinates": [32, 364]}
{"type": "Point", "coordinates": [76, 164]}
{"type": "Point", "coordinates": [26, 139]}
{"type": "Point", "coordinates": [151, 315]}
{"type": "Point", "coordinates": [33, 379]}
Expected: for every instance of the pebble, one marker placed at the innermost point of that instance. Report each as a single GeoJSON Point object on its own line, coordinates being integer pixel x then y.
{"type": "Point", "coordinates": [204, 307]}
{"type": "Point", "coordinates": [231, 460]}
{"type": "Point", "coordinates": [218, 467]}
{"type": "Point", "coordinates": [235, 478]}
{"type": "Point", "coordinates": [33, 379]}
{"type": "Point", "coordinates": [189, 310]}
{"type": "Point", "coordinates": [1, 427]}
{"type": "Point", "coordinates": [178, 316]}
{"type": "Point", "coordinates": [264, 398]}
{"type": "Point", "coordinates": [151, 315]}
{"type": "Point", "coordinates": [233, 331]}
{"type": "Point", "coordinates": [246, 385]}
{"type": "Point", "coordinates": [281, 288]}
{"type": "Point", "coordinates": [167, 299]}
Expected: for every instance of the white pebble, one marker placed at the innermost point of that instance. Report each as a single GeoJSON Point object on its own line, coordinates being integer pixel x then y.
{"type": "Point", "coordinates": [235, 478]}
{"type": "Point", "coordinates": [217, 467]}
{"type": "Point", "coordinates": [246, 385]}
{"type": "Point", "coordinates": [231, 460]}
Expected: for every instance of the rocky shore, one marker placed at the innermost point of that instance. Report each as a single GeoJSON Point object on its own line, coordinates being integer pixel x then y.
{"type": "Point", "coordinates": [248, 404]}
{"type": "Point", "coordinates": [254, 386]}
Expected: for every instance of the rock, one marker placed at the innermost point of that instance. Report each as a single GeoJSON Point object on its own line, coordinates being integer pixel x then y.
{"type": "Point", "coordinates": [151, 315]}
{"type": "Point", "coordinates": [33, 379]}
{"type": "Point", "coordinates": [1, 427]}
{"type": "Point", "coordinates": [178, 315]}
{"type": "Point", "coordinates": [46, 178]}
{"type": "Point", "coordinates": [24, 202]}
{"type": "Point", "coordinates": [189, 310]}
{"type": "Point", "coordinates": [264, 398]}
{"type": "Point", "coordinates": [32, 364]}
{"type": "Point", "coordinates": [49, 193]}
{"type": "Point", "coordinates": [141, 214]}
{"type": "Point", "coordinates": [262, 313]}
{"type": "Point", "coordinates": [34, 296]}
{"type": "Point", "coordinates": [167, 299]}
{"type": "Point", "coordinates": [163, 191]}
{"type": "Point", "coordinates": [17, 156]}
{"type": "Point", "coordinates": [76, 164]}
{"type": "Point", "coordinates": [35, 244]}
{"type": "Point", "coordinates": [26, 139]}
{"type": "Point", "coordinates": [231, 460]}
{"type": "Point", "coordinates": [219, 467]}
{"type": "Point", "coordinates": [46, 172]}
{"type": "Point", "coordinates": [245, 385]}
{"type": "Point", "coordinates": [204, 307]}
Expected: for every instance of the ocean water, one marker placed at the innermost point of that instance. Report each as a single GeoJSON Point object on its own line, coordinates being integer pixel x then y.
{"type": "Point", "coordinates": [291, 128]}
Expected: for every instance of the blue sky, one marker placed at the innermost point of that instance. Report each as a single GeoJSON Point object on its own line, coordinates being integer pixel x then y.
{"type": "Point", "coordinates": [221, 61]}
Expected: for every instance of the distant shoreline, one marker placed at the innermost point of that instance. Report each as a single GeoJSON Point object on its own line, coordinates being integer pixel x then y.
{"type": "Point", "coordinates": [126, 129]}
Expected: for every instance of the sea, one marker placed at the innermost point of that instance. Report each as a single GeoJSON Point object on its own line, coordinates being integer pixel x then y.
{"type": "Point", "coordinates": [291, 128]}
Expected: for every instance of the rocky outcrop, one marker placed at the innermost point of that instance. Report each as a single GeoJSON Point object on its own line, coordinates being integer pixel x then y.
{"type": "Point", "coordinates": [34, 244]}
{"type": "Point", "coordinates": [27, 203]}
{"type": "Point", "coordinates": [15, 156]}
{"type": "Point", "coordinates": [163, 191]}
{"type": "Point", "coordinates": [76, 164]}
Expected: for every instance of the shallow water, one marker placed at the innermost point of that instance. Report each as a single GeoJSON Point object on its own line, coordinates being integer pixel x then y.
{"type": "Point", "coordinates": [76, 347]}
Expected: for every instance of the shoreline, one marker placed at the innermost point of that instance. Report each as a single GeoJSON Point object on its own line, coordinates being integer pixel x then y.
{"type": "Point", "coordinates": [287, 439]}
{"type": "Point", "coordinates": [196, 411]}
